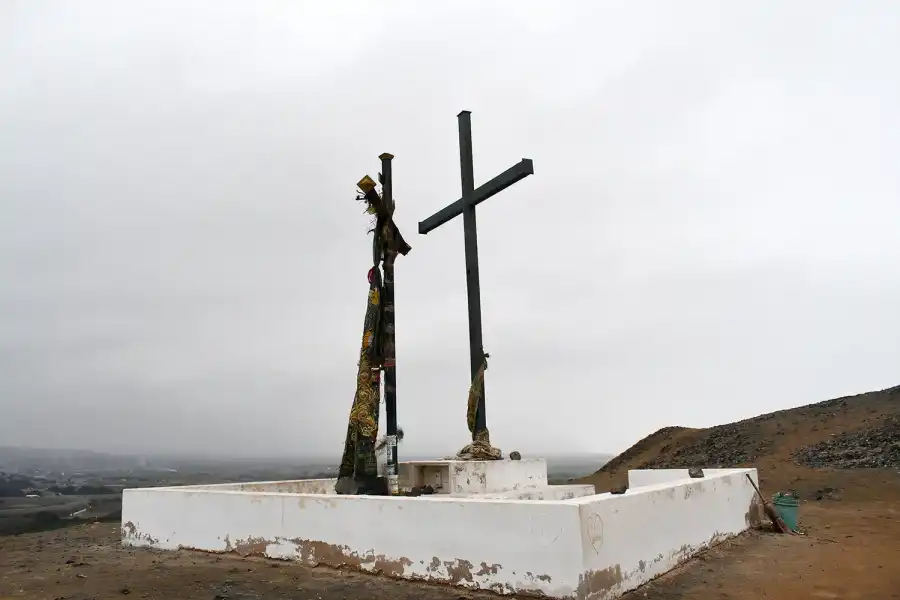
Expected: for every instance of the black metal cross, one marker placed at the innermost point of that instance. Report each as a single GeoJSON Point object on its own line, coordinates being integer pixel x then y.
{"type": "Point", "coordinates": [465, 206]}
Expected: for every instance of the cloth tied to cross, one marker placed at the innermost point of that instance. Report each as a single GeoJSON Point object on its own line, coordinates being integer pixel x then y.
{"type": "Point", "coordinates": [480, 447]}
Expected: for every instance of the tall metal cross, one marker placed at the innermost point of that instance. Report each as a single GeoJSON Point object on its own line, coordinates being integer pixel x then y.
{"type": "Point", "coordinates": [465, 206]}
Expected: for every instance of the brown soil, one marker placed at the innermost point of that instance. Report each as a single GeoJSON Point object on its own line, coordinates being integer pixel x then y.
{"type": "Point", "coordinates": [851, 518]}
{"type": "Point", "coordinates": [88, 563]}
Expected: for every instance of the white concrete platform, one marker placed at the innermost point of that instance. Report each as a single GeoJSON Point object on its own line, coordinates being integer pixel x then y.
{"type": "Point", "coordinates": [474, 476]}
{"type": "Point", "coordinates": [525, 537]}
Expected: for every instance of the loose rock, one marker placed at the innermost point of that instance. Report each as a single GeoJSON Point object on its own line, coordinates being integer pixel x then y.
{"type": "Point", "coordinates": [875, 448]}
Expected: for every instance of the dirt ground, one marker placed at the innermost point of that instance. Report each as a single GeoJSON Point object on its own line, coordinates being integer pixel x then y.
{"type": "Point", "coordinates": [851, 551]}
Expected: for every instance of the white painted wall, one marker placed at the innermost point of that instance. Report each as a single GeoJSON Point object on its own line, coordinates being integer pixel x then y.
{"type": "Point", "coordinates": [296, 486]}
{"type": "Point", "coordinates": [492, 544]}
{"type": "Point", "coordinates": [549, 492]}
{"type": "Point", "coordinates": [475, 476]}
{"type": "Point", "coordinates": [642, 477]}
{"type": "Point", "coordinates": [634, 537]}
{"type": "Point", "coordinates": [326, 486]}
{"type": "Point", "coordinates": [507, 475]}
{"type": "Point", "coordinates": [589, 548]}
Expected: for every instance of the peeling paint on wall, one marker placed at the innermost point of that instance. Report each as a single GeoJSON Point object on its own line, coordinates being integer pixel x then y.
{"type": "Point", "coordinates": [589, 548]}
{"type": "Point", "coordinates": [131, 532]}
{"type": "Point", "coordinates": [599, 585]}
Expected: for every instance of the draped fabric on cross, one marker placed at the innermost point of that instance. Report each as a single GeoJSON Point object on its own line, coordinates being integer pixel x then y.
{"type": "Point", "coordinates": [362, 428]}
{"type": "Point", "coordinates": [480, 448]}
{"type": "Point", "coordinates": [358, 462]}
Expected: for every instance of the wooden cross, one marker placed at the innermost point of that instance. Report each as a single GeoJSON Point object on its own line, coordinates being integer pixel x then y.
{"type": "Point", "coordinates": [465, 206]}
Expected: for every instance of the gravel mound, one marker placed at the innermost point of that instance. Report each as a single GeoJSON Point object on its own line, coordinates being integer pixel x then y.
{"type": "Point", "coordinates": [776, 436]}
{"type": "Point", "coordinates": [664, 434]}
{"type": "Point", "coordinates": [722, 446]}
{"type": "Point", "coordinates": [878, 447]}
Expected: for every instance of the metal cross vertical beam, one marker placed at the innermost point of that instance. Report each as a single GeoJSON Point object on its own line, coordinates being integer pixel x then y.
{"type": "Point", "coordinates": [465, 206]}
{"type": "Point", "coordinates": [470, 240]}
{"type": "Point", "coordinates": [390, 363]}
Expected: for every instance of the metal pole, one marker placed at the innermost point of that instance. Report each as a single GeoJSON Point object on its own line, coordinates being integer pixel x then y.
{"type": "Point", "coordinates": [473, 285]}
{"type": "Point", "coordinates": [390, 368]}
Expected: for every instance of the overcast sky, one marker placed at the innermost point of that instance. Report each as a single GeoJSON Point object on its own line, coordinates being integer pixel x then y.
{"type": "Point", "coordinates": [710, 232]}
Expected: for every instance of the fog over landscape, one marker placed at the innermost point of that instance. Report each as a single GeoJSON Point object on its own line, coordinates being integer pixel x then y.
{"type": "Point", "coordinates": [710, 232]}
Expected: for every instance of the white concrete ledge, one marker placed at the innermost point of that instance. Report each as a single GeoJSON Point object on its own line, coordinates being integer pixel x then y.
{"type": "Point", "coordinates": [548, 492]}
{"type": "Point", "coordinates": [591, 548]}
{"type": "Point", "coordinates": [295, 486]}
{"type": "Point", "coordinates": [644, 477]}
{"type": "Point", "coordinates": [326, 486]}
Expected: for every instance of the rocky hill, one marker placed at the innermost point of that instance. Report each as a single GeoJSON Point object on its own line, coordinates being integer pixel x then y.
{"type": "Point", "coordinates": [798, 449]}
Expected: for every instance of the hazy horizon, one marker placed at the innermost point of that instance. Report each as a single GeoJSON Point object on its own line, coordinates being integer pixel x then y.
{"type": "Point", "coordinates": [709, 233]}
{"type": "Point", "coordinates": [327, 456]}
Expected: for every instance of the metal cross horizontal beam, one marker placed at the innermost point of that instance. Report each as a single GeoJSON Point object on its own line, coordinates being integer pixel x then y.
{"type": "Point", "coordinates": [523, 169]}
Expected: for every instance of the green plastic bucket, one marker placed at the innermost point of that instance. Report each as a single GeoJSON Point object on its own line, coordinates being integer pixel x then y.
{"type": "Point", "coordinates": [787, 507]}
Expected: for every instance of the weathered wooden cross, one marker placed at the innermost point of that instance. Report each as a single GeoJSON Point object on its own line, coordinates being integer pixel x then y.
{"type": "Point", "coordinates": [465, 206]}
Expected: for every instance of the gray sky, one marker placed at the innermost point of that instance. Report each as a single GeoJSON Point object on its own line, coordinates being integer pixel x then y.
{"type": "Point", "coordinates": [710, 232]}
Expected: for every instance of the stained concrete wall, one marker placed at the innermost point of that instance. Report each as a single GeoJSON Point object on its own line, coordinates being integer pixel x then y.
{"type": "Point", "coordinates": [486, 477]}
{"type": "Point", "coordinates": [631, 538]}
{"type": "Point", "coordinates": [504, 545]}
{"type": "Point", "coordinates": [475, 477]}
{"type": "Point", "coordinates": [590, 548]}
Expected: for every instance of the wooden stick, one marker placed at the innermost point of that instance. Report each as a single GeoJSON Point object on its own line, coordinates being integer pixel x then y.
{"type": "Point", "coordinates": [777, 522]}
